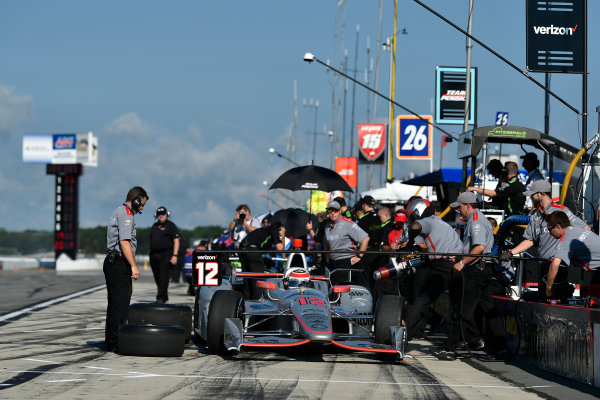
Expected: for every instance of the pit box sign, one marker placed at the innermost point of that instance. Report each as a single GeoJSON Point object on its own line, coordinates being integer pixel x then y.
{"type": "Point", "coordinates": [207, 269]}
{"type": "Point", "coordinates": [556, 32]}
{"type": "Point", "coordinates": [413, 137]}
{"type": "Point", "coordinates": [450, 95]}
{"type": "Point", "coordinates": [371, 143]}
{"type": "Point", "coordinates": [501, 118]}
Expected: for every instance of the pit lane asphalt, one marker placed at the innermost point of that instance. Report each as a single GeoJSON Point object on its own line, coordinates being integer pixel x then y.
{"type": "Point", "coordinates": [55, 352]}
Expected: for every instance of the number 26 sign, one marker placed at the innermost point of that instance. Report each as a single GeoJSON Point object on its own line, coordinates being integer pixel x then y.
{"type": "Point", "coordinates": [413, 137]}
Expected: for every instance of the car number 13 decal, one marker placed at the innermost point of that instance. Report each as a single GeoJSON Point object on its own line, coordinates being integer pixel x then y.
{"type": "Point", "coordinates": [310, 300]}
{"type": "Point", "coordinates": [207, 273]}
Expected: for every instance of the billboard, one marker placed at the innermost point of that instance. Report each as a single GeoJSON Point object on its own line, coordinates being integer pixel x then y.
{"type": "Point", "coordinates": [556, 34]}
{"type": "Point", "coordinates": [450, 92]}
{"type": "Point", "coordinates": [413, 136]}
{"type": "Point", "coordinates": [61, 148]}
{"type": "Point", "coordinates": [371, 143]}
{"type": "Point", "coordinates": [347, 167]}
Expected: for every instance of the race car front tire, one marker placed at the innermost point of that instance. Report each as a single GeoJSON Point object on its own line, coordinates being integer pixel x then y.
{"type": "Point", "coordinates": [224, 304]}
{"type": "Point", "coordinates": [389, 312]}
{"type": "Point", "coordinates": [151, 340]}
{"type": "Point", "coordinates": [162, 314]}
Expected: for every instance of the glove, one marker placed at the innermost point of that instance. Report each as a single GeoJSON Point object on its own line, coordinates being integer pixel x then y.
{"type": "Point", "coordinates": [505, 256]}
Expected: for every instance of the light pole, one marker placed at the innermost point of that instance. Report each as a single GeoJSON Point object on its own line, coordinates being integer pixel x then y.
{"type": "Point", "coordinates": [314, 105]}
{"type": "Point", "coordinates": [278, 154]}
{"type": "Point", "coordinates": [331, 138]}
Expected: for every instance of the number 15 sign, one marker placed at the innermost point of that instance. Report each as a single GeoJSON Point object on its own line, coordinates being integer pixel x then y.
{"type": "Point", "coordinates": [413, 137]}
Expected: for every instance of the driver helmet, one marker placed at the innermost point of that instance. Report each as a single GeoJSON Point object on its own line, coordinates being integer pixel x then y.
{"type": "Point", "coordinates": [297, 277]}
{"type": "Point", "coordinates": [419, 208]}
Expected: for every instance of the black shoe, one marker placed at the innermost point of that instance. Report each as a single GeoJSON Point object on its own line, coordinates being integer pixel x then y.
{"type": "Point", "coordinates": [161, 301]}
{"type": "Point", "coordinates": [445, 354]}
{"type": "Point", "coordinates": [477, 345]}
{"type": "Point", "coordinates": [191, 290]}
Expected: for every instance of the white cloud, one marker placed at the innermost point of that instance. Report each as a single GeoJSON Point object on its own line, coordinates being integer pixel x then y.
{"type": "Point", "coordinates": [14, 109]}
{"type": "Point", "coordinates": [200, 185]}
{"type": "Point", "coordinates": [129, 123]}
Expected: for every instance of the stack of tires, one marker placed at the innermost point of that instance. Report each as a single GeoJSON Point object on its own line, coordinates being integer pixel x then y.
{"type": "Point", "coordinates": [156, 330]}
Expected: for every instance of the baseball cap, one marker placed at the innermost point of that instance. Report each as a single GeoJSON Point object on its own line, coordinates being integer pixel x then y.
{"type": "Point", "coordinates": [539, 186]}
{"type": "Point", "coordinates": [333, 205]}
{"type": "Point", "coordinates": [161, 210]}
{"type": "Point", "coordinates": [400, 217]}
{"type": "Point", "coordinates": [532, 156]}
{"type": "Point", "coordinates": [464, 198]}
{"type": "Point", "coordinates": [368, 200]}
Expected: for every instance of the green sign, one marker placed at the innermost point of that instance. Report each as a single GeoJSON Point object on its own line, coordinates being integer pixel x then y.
{"type": "Point", "coordinates": [502, 132]}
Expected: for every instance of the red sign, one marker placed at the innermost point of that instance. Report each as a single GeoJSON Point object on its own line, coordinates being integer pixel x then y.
{"type": "Point", "coordinates": [371, 140]}
{"type": "Point", "coordinates": [347, 167]}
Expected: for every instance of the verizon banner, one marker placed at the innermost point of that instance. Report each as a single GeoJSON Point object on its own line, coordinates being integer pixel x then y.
{"type": "Point", "coordinates": [555, 35]}
{"type": "Point", "coordinates": [371, 143]}
{"type": "Point", "coordinates": [347, 167]}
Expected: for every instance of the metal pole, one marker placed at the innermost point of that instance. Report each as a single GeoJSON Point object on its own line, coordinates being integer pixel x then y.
{"type": "Point", "coordinates": [393, 84]}
{"type": "Point", "coordinates": [584, 79]}
{"type": "Point", "coordinates": [468, 70]}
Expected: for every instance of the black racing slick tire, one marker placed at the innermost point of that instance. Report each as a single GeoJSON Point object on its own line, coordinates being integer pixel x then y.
{"type": "Point", "coordinates": [390, 311]}
{"type": "Point", "coordinates": [224, 304]}
{"type": "Point", "coordinates": [162, 314]}
{"type": "Point", "coordinates": [151, 340]}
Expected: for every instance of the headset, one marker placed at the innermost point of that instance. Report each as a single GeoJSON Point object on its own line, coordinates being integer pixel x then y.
{"type": "Point", "coordinates": [136, 204]}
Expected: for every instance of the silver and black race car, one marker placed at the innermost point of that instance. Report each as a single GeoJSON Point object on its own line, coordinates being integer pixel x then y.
{"type": "Point", "coordinates": [296, 309]}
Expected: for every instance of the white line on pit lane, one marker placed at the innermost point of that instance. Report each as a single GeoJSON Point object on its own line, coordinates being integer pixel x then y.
{"type": "Point", "coordinates": [38, 360]}
{"type": "Point", "coordinates": [89, 366]}
{"type": "Point", "coordinates": [272, 379]}
{"type": "Point", "coordinates": [7, 317]}
{"type": "Point", "coordinates": [66, 380]}
{"type": "Point", "coordinates": [40, 330]}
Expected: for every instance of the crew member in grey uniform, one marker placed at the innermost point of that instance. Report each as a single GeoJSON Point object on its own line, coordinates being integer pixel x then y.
{"type": "Point", "coordinates": [120, 265]}
{"type": "Point", "coordinates": [340, 234]}
{"type": "Point", "coordinates": [537, 229]}
{"type": "Point", "coordinates": [471, 277]}
{"type": "Point", "coordinates": [430, 232]}
{"type": "Point", "coordinates": [576, 246]}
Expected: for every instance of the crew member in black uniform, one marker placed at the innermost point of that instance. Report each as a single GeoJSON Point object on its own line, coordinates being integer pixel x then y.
{"type": "Point", "coordinates": [120, 265]}
{"type": "Point", "coordinates": [370, 223]}
{"type": "Point", "coordinates": [259, 239]}
{"type": "Point", "coordinates": [164, 249]}
{"type": "Point", "coordinates": [509, 194]}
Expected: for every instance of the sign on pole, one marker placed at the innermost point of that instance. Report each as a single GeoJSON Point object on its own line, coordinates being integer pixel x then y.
{"type": "Point", "coordinates": [556, 34]}
{"type": "Point", "coordinates": [413, 136]}
{"type": "Point", "coordinates": [450, 94]}
{"type": "Point", "coordinates": [347, 168]}
{"type": "Point", "coordinates": [371, 143]}
{"type": "Point", "coordinates": [501, 118]}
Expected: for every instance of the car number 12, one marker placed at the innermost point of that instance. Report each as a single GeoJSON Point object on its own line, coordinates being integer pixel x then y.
{"type": "Point", "coordinates": [207, 273]}
{"type": "Point", "coordinates": [310, 300]}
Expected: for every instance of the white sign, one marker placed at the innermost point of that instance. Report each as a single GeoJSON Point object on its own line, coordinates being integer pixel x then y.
{"type": "Point", "coordinates": [61, 148]}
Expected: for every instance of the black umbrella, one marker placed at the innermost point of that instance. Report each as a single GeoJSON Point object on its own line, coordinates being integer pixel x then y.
{"type": "Point", "coordinates": [311, 177]}
{"type": "Point", "coordinates": [294, 220]}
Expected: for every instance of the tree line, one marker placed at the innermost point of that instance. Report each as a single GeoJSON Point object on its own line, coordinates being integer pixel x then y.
{"type": "Point", "coordinates": [91, 240]}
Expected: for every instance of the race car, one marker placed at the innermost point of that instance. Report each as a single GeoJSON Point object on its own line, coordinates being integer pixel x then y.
{"type": "Point", "coordinates": [296, 309]}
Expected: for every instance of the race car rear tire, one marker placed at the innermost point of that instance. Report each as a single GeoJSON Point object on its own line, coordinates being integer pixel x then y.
{"type": "Point", "coordinates": [162, 314]}
{"type": "Point", "coordinates": [224, 304]}
{"type": "Point", "coordinates": [151, 340]}
{"type": "Point", "coordinates": [389, 312]}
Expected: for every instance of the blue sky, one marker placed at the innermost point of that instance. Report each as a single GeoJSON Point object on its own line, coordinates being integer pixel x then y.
{"type": "Point", "coordinates": [186, 97]}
